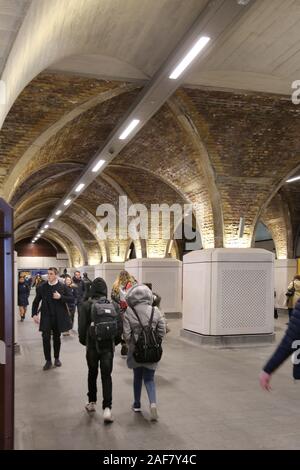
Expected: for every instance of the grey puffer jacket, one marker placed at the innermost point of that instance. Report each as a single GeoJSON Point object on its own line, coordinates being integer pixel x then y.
{"type": "Point", "coordinates": [140, 297]}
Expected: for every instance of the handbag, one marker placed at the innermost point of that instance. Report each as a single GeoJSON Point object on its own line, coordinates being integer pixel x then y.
{"type": "Point", "coordinates": [290, 292]}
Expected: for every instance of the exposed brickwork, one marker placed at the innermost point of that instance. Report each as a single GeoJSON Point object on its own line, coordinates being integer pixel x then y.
{"type": "Point", "coordinates": [48, 97]}
{"type": "Point", "coordinates": [252, 141]}
{"type": "Point", "coordinates": [165, 149]}
{"type": "Point", "coordinates": [291, 193]}
{"type": "Point", "coordinates": [277, 220]}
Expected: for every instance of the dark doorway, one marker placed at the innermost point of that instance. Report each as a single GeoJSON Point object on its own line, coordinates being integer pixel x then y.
{"type": "Point", "coordinates": [6, 327]}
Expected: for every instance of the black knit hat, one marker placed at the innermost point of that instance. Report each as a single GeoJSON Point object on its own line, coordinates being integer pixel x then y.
{"type": "Point", "coordinates": [98, 288]}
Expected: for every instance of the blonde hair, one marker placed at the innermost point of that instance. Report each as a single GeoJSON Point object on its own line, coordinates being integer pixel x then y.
{"type": "Point", "coordinates": [123, 278]}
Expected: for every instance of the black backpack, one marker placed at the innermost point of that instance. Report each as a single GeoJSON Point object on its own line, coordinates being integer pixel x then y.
{"type": "Point", "coordinates": [106, 324]}
{"type": "Point", "coordinates": [148, 345]}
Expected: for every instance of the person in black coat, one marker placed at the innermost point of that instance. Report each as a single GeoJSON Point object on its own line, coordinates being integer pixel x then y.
{"type": "Point", "coordinates": [289, 344]}
{"type": "Point", "coordinates": [80, 288]}
{"type": "Point", "coordinates": [23, 294]}
{"type": "Point", "coordinates": [54, 314]}
{"type": "Point", "coordinates": [102, 353]}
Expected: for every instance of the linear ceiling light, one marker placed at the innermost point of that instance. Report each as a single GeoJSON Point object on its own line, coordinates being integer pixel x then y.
{"type": "Point", "coordinates": [296, 178]}
{"type": "Point", "coordinates": [46, 226]}
{"type": "Point", "coordinates": [58, 212]}
{"type": "Point", "coordinates": [98, 166]}
{"type": "Point", "coordinates": [191, 55]}
{"type": "Point", "coordinates": [42, 231]}
{"type": "Point", "coordinates": [67, 202]}
{"type": "Point", "coordinates": [80, 187]}
{"type": "Point", "coordinates": [129, 129]}
{"type": "Point", "coordinates": [51, 220]}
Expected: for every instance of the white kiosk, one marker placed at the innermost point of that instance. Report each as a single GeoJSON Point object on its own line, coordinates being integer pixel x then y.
{"type": "Point", "coordinates": [228, 296]}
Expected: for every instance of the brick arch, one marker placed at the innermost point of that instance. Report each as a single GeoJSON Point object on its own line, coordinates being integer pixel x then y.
{"type": "Point", "coordinates": [276, 218]}
{"type": "Point", "coordinates": [164, 147]}
{"type": "Point", "coordinates": [26, 231]}
{"type": "Point", "coordinates": [252, 141]}
{"type": "Point", "coordinates": [72, 140]}
{"type": "Point", "coordinates": [82, 94]}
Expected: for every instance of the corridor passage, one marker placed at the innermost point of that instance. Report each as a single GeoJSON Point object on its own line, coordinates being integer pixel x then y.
{"type": "Point", "coordinates": [207, 399]}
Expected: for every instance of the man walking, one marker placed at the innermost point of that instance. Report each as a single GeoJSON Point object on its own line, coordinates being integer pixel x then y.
{"type": "Point", "coordinates": [54, 315]}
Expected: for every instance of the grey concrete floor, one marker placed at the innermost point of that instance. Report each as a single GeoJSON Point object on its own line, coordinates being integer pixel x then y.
{"type": "Point", "coordinates": [207, 399]}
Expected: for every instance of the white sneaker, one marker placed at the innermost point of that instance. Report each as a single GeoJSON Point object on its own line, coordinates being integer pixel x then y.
{"type": "Point", "coordinates": [90, 407]}
{"type": "Point", "coordinates": [107, 416]}
{"type": "Point", "coordinates": [153, 412]}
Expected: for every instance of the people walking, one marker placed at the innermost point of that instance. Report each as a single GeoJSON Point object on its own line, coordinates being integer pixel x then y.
{"type": "Point", "coordinates": [77, 280]}
{"type": "Point", "coordinates": [138, 314]}
{"type": "Point", "coordinates": [293, 294]}
{"type": "Point", "coordinates": [287, 346]}
{"type": "Point", "coordinates": [72, 289]}
{"type": "Point", "coordinates": [98, 351]}
{"type": "Point", "coordinates": [54, 316]}
{"type": "Point", "coordinates": [23, 294]}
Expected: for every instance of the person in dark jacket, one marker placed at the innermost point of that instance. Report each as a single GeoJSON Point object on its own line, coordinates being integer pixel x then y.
{"type": "Point", "coordinates": [23, 294]}
{"type": "Point", "coordinates": [287, 347]}
{"type": "Point", "coordinates": [72, 289]}
{"type": "Point", "coordinates": [103, 352]}
{"type": "Point", "coordinates": [87, 286]}
{"type": "Point", "coordinates": [80, 287]}
{"type": "Point", "coordinates": [54, 315]}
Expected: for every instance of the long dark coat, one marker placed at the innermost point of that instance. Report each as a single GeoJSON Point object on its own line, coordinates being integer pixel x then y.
{"type": "Point", "coordinates": [23, 294]}
{"type": "Point", "coordinates": [63, 318]}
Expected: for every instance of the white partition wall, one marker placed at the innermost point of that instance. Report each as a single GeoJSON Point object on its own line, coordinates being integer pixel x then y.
{"type": "Point", "coordinates": [284, 271]}
{"type": "Point", "coordinates": [109, 272]}
{"type": "Point", "coordinates": [228, 292]}
{"type": "Point", "coordinates": [90, 270]}
{"type": "Point", "coordinates": [165, 275]}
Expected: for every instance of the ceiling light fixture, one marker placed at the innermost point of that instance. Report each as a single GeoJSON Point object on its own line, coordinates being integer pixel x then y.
{"type": "Point", "coordinates": [51, 220]}
{"type": "Point", "coordinates": [295, 178]}
{"type": "Point", "coordinates": [80, 187]}
{"type": "Point", "coordinates": [67, 202]}
{"type": "Point", "coordinates": [46, 226]}
{"type": "Point", "coordinates": [58, 212]}
{"type": "Point", "coordinates": [129, 129]}
{"type": "Point", "coordinates": [42, 231]}
{"type": "Point", "coordinates": [98, 166]}
{"type": "Point", "coordinates": [190, 56]}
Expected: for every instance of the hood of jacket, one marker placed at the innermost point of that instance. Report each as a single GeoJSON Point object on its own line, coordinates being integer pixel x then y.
{"type": "Point", "coordinates": [139, 294]}
{"type": "Point", "coordinates": [98, 288]}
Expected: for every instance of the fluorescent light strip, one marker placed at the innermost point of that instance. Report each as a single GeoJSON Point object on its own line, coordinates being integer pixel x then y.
{"type": "Point", "coordinates": [191, 55]}
{"type": "Point", "coordinates": [98, 166]}
{"type": "Point", "coordinates": [51, 220]}
{"type": "Point", "coordinates": [129, 129]}
{"type": "Point", "coordinates": [67, 202]}
{"type": "Point", "coordinates": [46, 226]}
{"type": "Point", "coordinates": [42, 231]}
{"type": "Point", "coordinates": [296, 178]}
{"type": "Point", "coordinates": [58, 212]}
{"type": "Point", "coordinates": [80, 187]}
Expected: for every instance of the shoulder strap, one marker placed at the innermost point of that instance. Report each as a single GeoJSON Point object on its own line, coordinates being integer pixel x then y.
{"type": "Point", "coordinates": [150, 320]}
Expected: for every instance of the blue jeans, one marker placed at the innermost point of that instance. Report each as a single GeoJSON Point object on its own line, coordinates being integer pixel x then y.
{"type": "Point", "coordinates": [140, 373]}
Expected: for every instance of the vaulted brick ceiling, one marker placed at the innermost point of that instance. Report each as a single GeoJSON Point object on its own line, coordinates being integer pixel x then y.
{"type": "Point", "coordinates": [227, 153]}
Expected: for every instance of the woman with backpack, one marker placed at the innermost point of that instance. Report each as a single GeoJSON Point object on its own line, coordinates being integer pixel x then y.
{"type": "Point", "coordinates": [136, 320]}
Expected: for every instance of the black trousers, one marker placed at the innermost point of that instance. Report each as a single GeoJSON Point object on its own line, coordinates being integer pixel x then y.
{"type": "Point", "coordinates": [46, 335]}
{"type": "Point", "coordinates": [105, 357]}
